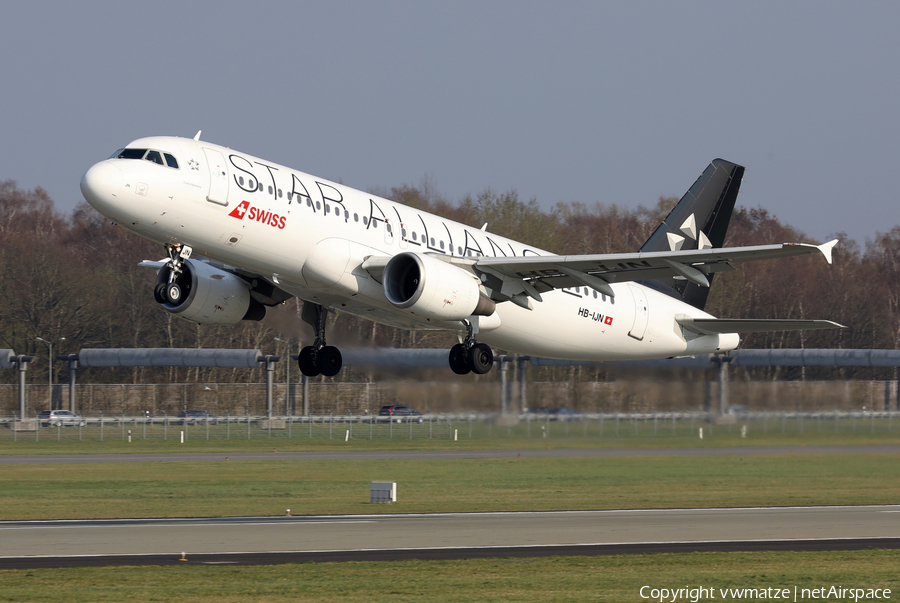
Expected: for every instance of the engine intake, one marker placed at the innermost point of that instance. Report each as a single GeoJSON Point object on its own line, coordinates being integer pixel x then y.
{"type": "Point", "coordinates": [211, 296]}
{"type": "Point", "coordinates": [433, 288]}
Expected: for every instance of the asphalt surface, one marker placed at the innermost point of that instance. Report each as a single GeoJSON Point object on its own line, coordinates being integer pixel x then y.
{"type": "Point", "coordinates": [435, 536]}
{"type": "Point", "coordinates": [442, 454]}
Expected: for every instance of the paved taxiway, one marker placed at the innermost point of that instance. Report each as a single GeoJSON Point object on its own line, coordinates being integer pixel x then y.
{"type": "Point", "coordinates": [468, 531]}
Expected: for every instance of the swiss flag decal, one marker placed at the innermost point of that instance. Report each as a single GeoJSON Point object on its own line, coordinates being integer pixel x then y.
{"type": "Point", "coordinates": [239, 211]}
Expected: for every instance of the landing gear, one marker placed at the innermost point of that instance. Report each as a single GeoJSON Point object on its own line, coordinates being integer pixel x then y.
{"type": "Point", "coordinates": [470, 356]}
{"type": "Point", "coordinates": [168, 289]}
{"type": "Point", "coordinates": [318, 358]}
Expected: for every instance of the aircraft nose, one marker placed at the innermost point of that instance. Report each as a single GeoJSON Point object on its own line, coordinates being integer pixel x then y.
{"type": "Point", "coordinates": [101, 184]}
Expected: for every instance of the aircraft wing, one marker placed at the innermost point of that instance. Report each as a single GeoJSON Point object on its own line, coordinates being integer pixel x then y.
{"type": "Point", "coordinates": [712, 326]}
{"type": "Point", "coordinates": [514, 278]}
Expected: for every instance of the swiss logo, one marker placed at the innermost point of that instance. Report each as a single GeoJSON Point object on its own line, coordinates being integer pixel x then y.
{"type": "Point", "coordinates": [239, 211]}
{"type": "Point", "coordinates": [254, 214]}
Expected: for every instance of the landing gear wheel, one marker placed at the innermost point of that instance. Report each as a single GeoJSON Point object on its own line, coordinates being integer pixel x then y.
{"type": "Point", "coordinates": [307, 364]}
{"type": "Point", "coordinates": [458, 361]}
{"type": "Point", "coordinates": [481, 358]}
{"type": "Point", "coordinates": [329, 361]}
{"type": "Point", "coordinates": [173, 294]}
{"type": "Point", "coordinates": [159, 293]}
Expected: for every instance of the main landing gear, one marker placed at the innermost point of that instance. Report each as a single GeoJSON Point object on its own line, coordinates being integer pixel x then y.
{"type": "Point", "coordinates": [318, 358]}
{"type": "Point", "coordinates": [169, 290]}
{"type": "Point", "coordinates": [470, 356]}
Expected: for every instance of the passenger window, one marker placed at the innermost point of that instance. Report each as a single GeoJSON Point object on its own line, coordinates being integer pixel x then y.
{"type": "Point", "coordinates": [260, 187]}
{"type": "Point", "coordinates": [155, 157]}
{"type": "Point", "coordinates": [356, 217]}
{"type": "Point", "coordinates": [171, 161]}
{"type": "Point", "coordinates": [346, 215]}
{"type": "Point", "coordinates": [270, 190]}
{"type": "Point", "coordinates": [279, 193]}
{"type": "Point", "coordinates": [132, 154]}
{"type": "Point", "coordinates": [414, 236]}
{"type": "Point", "coordinates": [365, 221]}
{"type": "Point", "coordinates": [241, 180]}
{"type": "Point", "coordinates": [442, 244]}
{"type": "Point", "coordinates": [595, 295]}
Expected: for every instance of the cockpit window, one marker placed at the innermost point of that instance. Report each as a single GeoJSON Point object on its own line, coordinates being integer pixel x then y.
{"type": "Point", "coordinates": [149, 155]}
{"type": "Point", "coordinates": [131, 154]}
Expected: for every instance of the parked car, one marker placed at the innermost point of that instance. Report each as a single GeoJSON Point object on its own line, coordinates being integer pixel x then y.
{"type": "Point", "coordinates": [61, 418]}
{"type": "Point", "coordinates": [400, 412]}
{"type": "Point", "coordinates": [196, 417]}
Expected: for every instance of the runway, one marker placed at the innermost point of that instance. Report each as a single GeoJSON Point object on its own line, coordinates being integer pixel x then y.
{"type": "Point", "coordinates": [451, 535]}
{"type": "Point", "coordinates": [441, 454]}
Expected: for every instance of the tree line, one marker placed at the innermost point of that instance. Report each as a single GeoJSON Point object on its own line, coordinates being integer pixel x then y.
{"type": "Point", "coordinates": [76, 276]}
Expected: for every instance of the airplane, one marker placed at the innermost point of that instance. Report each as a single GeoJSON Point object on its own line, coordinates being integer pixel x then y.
{"type": "Point", "coordinates": [242, 234]}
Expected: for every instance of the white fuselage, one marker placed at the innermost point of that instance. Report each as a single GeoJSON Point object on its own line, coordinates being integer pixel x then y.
{"type": "Point", "coordinates": [311, 236]}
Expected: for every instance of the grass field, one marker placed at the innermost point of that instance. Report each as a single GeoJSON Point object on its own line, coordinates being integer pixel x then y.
{"type": "Point", "coordinates": [253, 488]}
{"type": "Point", "coordinates": [500, 440]}
{"type": "Point", "coordinates": [166, 489]}
{"type": "Point", "coordinates": [561, 579]}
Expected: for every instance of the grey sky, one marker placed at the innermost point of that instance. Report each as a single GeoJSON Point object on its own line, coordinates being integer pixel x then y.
{"type": "Point", "coordinates": [595, 101]}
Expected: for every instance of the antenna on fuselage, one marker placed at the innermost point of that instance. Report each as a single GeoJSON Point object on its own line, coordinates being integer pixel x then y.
{"type": "Point", "coordinates": [197, 136]}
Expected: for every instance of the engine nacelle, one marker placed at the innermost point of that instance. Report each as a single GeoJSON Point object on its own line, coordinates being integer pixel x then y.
{"type": "Point", "coordinates": [432, 288]}
{"type": "Point", "coordinates": [211, 296]}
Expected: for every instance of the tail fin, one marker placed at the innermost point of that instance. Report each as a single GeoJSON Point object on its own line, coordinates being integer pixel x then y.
{"type": "Point", "coordinates": [698, 221]}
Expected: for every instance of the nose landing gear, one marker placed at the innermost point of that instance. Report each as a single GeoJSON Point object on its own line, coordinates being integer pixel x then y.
{"type": "Point", "coordinates": [318, 358]}
{"type": "Point", "coordinates": [169, 291]}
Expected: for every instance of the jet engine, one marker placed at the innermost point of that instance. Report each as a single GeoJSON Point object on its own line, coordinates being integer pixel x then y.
{"type": "Point", "coordinates": [432, 288]}
{"type": "Point", "coordinates": [209, 295]}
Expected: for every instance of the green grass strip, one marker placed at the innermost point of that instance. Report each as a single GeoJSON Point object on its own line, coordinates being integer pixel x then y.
{"type": "Point", "coordinates": [560, 579]}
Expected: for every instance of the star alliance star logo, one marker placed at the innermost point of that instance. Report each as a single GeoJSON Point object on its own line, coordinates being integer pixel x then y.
{"type": "Point", "coordinates": [194, 165]}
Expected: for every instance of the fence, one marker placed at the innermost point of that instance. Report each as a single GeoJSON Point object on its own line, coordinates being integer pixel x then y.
{"type": "Point", "coordinates": [470, 426]}
{"type": "Point", "coordinates": [646, 395]}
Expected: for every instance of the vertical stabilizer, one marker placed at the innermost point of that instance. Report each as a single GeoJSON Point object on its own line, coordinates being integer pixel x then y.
{"type": "Point", "coordinates": [698, 221]}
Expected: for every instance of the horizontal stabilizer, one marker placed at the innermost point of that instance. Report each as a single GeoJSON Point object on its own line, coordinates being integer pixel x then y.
{"type": "Point", "coordinates": [713, 326]}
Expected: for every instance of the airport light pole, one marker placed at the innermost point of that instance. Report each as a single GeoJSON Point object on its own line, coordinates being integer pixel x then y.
{"type": "Point", "coordinates": [287, 375]}
{"type": "Point", "coordinates": [49, 344]}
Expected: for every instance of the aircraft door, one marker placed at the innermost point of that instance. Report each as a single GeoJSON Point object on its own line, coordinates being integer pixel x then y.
{"type": "Point", "coordinates": [218, 177]}
{"type": "Point", "coordinates": [388, 231]}
{"type": "Point", "coordinates": [641, 312]}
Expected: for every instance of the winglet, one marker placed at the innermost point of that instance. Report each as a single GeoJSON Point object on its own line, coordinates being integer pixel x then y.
{"type": "Point", "coordinates": [197, 136]}
{"type": "Point", "coordinates": [826, 248]}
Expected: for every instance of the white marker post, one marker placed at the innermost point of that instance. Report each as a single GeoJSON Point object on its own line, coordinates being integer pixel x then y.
{"type": "Point", "coordinates": [182, 436]}
{"type": "Point", "coordinates": [701, 433]}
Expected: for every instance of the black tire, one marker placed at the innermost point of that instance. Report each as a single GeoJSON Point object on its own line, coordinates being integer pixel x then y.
{"type": "Point", "coordinates": [305, 361]}
{"type": "Point", "coordinates": [159, 293]}
{"type": "Point", "coordinates": [459, 363]}
{"type": "Point", "coordinates": [329, 361]}
{"type": "Point", "coordinates": [481, 358]}
{"type": "Point", "coordinates": [173, 294]}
